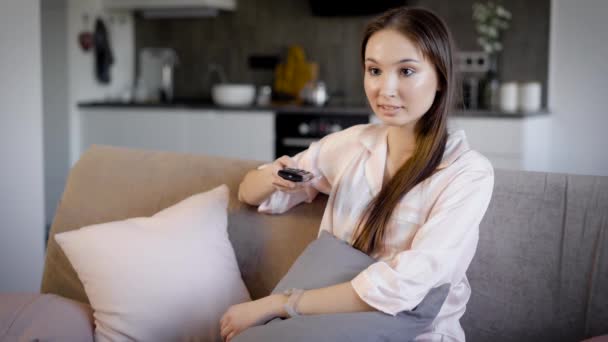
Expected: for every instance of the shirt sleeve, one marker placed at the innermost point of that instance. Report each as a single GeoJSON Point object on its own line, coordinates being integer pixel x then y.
{"type": "Point", "coordinates": [279, 202]}
{"type": "Point", "coordinates": [441, 250]}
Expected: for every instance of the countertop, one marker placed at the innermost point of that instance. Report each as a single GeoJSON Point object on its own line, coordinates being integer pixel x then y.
{"type": "Point", "coordinates": [331, 109]}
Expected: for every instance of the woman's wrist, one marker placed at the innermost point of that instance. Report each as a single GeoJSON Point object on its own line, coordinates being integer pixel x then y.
{"type": "Point", "coordinates": [278, 305]}
{"type": "Point", "coordinates": [257, 186]}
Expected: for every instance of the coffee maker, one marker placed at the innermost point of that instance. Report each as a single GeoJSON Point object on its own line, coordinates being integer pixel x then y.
{"type": "Point", "coordinates": [155, 82]}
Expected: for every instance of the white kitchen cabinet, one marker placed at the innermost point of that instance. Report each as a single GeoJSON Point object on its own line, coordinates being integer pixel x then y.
{"type": "Point", "coordinates": [156, 130]}
{"type": "Point", "coordinates": [520, 143]}
{"type": "Point", "coordinates": [239, 134]}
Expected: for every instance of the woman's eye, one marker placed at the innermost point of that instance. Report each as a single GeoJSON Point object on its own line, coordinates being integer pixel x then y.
{"type": "Point", "coordinates": [373, 71]}
{"type": "Point", "coordinates": [407, 72]}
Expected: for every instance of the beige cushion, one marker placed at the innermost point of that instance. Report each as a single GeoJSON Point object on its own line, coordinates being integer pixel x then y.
{"type": "Point", "coordinates": [167, 277]}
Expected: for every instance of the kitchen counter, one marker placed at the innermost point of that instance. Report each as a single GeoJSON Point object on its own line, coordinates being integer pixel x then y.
{"type": "Point", "coordinates": [511, 141]}
{"type": "Point", "coordinates": [283, 109]}
{"type": "Point", "coordinates": [332, 109]}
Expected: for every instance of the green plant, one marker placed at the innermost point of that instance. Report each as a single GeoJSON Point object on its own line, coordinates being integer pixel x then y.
{"type": "Point", "coordinates": [490, 19]}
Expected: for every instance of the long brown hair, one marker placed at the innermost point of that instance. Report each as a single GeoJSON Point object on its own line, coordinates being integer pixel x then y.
{"type": "Point", "coordinates": [433, 38]}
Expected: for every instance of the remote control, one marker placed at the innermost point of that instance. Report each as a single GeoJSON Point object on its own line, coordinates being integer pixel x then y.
{"type": "Point", "coordinates": [295, 175]}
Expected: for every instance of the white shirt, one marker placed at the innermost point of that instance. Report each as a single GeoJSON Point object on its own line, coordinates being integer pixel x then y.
{"type": "Point", "coordinates": [432, 235]}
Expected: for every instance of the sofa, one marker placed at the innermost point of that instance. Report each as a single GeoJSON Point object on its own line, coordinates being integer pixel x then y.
{"type": "Point", "coordinates": [540, 272]}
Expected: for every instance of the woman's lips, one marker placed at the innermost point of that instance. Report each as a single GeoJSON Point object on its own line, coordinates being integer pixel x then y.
{"type": "Point", "coordinates": [389, 110]}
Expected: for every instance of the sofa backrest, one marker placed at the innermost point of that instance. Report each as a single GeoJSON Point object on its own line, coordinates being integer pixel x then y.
{"type": "Point", "coordinates": [540, 272]}
{"type": "Point", "coordinates": [111, 183]}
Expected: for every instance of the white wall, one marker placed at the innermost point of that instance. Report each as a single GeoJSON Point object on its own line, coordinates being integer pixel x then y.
{"type": "Point", "coordinates": [68, 78]}
{"type": "Point", "coordinates": [21, 174]}
{"type": "Point", "coordinates": [56, 115]}
{"type": "Point", "coordinates": [82, 83]}
{"type": "Point", "coordinates": [578, 94]}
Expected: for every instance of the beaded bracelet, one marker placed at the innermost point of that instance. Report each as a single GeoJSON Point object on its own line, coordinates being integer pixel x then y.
{"type": "Point", "coordinates": [292, 301]}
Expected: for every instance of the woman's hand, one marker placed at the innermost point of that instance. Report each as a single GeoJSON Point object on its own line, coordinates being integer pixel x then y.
{"type": "Point", "coordinates": [242, 316]}
{"type": "Point", "coordinates": [260, 183]}
{"type": "Point", "coordinates": [283, 184]}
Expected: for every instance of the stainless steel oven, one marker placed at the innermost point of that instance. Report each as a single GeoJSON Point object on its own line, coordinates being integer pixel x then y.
{"type": "Point", "coordinates": [296, 131]}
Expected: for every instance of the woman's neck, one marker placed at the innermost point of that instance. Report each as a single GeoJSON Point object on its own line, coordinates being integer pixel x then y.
{"type": "Point", "coordinates": [401, 144]}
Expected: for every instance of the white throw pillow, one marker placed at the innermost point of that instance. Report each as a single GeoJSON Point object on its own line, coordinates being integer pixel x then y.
{"type": "Point", "coordinates": [167, 277]}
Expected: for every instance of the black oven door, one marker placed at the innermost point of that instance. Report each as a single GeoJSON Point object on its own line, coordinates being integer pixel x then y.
{"type": "Point", "coordinates": [296, 131]}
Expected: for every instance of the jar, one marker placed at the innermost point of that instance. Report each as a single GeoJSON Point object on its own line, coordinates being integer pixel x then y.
{"type": "Point", "coordinates": [508, 97]}
{"type": "Point", "coordinates": [530, 97]}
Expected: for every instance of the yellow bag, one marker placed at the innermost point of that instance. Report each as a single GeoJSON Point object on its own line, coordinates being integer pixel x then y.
{"type": "Point", "coordinates": [291, 77]}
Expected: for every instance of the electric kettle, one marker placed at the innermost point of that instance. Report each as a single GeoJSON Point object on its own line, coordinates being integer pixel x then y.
{"type": "Point", "coordinates": [315, 93]}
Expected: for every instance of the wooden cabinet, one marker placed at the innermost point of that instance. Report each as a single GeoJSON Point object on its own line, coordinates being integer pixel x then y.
{"type": "Point", "coordinates": [238, 134]}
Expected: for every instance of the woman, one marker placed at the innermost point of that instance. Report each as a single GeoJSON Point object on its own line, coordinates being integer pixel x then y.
{"type": "Point", "coordinates": [405, 191]}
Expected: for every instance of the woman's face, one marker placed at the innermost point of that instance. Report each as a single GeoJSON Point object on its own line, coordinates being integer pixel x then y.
{"type": "Point", "coordinates": [400, 83]}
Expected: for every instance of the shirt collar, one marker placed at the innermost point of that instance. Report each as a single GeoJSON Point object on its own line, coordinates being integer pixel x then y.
{"type": "Point", "coordinates": [375, 141]}
{"type": "Point", "coordinates": [456, 146]}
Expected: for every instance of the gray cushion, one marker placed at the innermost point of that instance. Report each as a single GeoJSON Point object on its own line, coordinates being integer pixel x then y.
{"type": "Point", "coordinates": [329, 261]}
{"type": "Point", "coordinates": [38, 317]}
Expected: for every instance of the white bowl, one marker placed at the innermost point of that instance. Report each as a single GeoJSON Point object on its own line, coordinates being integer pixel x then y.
{"type": "Point", "coordinates": [233, 94]}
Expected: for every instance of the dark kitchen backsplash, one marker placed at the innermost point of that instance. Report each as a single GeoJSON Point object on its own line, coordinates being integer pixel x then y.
{"type": "Point", "coordinates": [268, 27]}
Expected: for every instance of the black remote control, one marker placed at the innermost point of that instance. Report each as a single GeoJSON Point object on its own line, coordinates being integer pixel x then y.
{"type": "Point", "coordinates": [295, 175]}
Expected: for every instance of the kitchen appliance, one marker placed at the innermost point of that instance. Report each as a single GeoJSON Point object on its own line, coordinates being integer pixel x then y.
{"type": "Point", "coordinates": [472, 67]}
{"type": "Point", "coordinates": [264, 95]}
{"type": "Point", "coordinates": [315, 93]}
{"type": "Point", "coordinates": [156, 73]}
{"type": "Point", "coordinates": [294, 132]}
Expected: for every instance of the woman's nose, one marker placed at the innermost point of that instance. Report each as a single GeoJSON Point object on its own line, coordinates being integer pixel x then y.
{"type": "Point", "coordinates": [388, 86]}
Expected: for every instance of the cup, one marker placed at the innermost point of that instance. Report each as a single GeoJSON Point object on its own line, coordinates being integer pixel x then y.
{"type": "Point", "coordinates": [264, 95]}
{"type": "Point", "coordinates": [508, 97]}
{"type": "Point", "coordinates": [529, 97]}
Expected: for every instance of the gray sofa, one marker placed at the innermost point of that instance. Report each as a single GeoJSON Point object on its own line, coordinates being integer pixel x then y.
{"type": "Point", "coordinates": [540, 272]}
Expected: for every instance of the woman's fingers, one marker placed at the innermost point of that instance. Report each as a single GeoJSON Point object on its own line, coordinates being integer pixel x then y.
{"type": "Point", "coordinates": [286, 161]}
{"type": "Point", "coordinates": [278, 181]}
{"type": "Point", "coordinates": [225, 333]}
{"type": "Point", "coordinates": [224, 322]}
{"type": "Point", "coordinates": [286, 188]}
{"type": "Point", "coordinates": [281, 183]}
{"type": "Point", "coordinates": [230, 337]}
{"type": "Point", "coordinates": [225, 328]}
